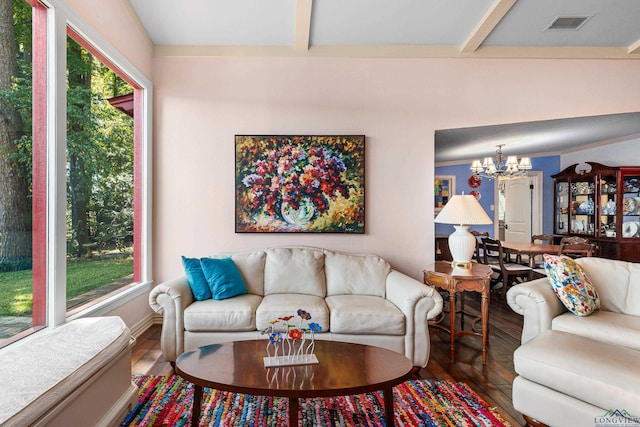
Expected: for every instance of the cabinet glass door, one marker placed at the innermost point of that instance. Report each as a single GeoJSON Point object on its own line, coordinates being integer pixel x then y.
{"type": "Point", "coordinates": [562, 207]}
{"type": "Point", "coordinates": [582, 207]}
{"type": "Point", "coordinates": [630, 206]}
{"type": "Point", "coordinates": [608, 206]}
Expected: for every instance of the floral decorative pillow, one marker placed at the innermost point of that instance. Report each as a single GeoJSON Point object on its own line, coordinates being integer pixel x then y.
{"type": "Point", "coordinates": [571, 284]}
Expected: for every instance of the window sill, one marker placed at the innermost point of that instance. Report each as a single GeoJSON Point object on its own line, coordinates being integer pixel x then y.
{"type": "Point", "coordinates": [108, 305]}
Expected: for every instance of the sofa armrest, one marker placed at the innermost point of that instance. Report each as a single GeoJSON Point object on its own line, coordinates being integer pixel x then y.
{"type": "Point", "coordinates": [170, 299]}
{"type": "Point", "coordinates": [536, 301]}
{"type": "Point", "coordinates": [419, 303]}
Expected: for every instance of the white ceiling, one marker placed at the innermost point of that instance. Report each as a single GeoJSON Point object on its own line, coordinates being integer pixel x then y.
{"type": "Point", "coordinates": [417, 28]}
{"type": "Point", "coordinates": [430, 27]}
{"type": "Point", "coordinates": [548, 137]}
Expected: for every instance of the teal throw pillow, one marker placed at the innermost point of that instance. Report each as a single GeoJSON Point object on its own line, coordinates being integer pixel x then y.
{"type": "Point", "coordinates": [223, 277]}
{"type": "Point", "coordinates": [195, 276]}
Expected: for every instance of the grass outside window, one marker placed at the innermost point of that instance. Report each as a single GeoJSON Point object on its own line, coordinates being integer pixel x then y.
{"type": "Point", "coordinates": [82, 276]}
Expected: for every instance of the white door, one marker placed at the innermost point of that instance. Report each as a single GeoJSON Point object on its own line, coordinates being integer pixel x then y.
{"type": "Point", "coordinates": [523, 207]}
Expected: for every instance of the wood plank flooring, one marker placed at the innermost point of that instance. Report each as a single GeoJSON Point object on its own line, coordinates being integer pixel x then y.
{"type": "Point", "coordinates": [491, 381]}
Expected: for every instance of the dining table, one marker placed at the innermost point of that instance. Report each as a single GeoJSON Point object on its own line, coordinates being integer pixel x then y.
{"type": "Point", "coordinates": [530, 249]}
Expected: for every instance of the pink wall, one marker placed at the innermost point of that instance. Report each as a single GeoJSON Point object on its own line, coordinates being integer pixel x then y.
{"type": "Point", "coordinates": [201, 103]}
{"type": "Point", "coordinates": [116, 21]}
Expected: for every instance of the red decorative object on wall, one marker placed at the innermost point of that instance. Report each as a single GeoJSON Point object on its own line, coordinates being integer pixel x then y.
{"type": "Point", "coordinates": [475, 181]}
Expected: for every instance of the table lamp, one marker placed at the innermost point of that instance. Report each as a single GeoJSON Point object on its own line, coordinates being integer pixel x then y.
{"type": "Point", "coordinates": [463, 210]}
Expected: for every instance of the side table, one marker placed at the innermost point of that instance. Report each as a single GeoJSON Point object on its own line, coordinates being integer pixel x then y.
{"type": "Point", "coordinates": [443, 275]}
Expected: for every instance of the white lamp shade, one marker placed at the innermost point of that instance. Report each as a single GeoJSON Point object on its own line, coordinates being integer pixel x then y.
{"type": "Point", "coordinates": [463, 209]}
{"type": "Point", "coordinates": [476, 166]}
{"type": "Point", "coordinates": [512, 160]}
{"type": "Point", "coordinates": [525, 163]}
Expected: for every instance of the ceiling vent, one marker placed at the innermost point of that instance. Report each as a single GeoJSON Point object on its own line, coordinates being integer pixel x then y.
{"type": "Point", "coordinates": [567, 22]}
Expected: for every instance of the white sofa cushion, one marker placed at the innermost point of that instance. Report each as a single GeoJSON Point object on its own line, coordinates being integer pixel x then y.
{"type": "Point", "coordinates": [294, 270]}
{"type": "Point", "coordinates": [601, 375]}
{"type": "Point", "coordinates": [355, 274]}
{"type": "Point", "coordinates": [364, 314]}
{"type": "Point", "coordinates": [232, 314]}
{"type": "Point", "coordinates": [275, 306]}
{"type": "Point", "coordinates": [616, 282]}
{"type": "Point", "coordinates": [605, 326]}
{"type": "Point", "coordinates": [251, 266]}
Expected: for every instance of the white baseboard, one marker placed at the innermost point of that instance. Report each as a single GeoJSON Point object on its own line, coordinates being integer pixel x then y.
{"type": "Point", "coordinates": [140, 327]}
{"type": "Point", "coordinates": [121, 408]}
{"type": "Point", "coordinates": [157, 319]}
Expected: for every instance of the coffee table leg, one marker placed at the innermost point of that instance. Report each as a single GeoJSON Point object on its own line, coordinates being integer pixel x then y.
{"type": "Point", "coordinates": [293, 412]}
{"type": "Point", "coordinates": [197, 403]}
{"type": "Point", "coordinates": [388, 407]}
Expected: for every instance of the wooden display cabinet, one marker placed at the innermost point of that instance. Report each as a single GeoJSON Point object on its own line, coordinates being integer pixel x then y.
{"type": "Point", "coordinates": [602, 205]}
{"type": "Point", "coordinates": [629, 223]}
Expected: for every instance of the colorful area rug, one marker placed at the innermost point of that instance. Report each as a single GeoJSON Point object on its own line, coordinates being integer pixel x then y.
{"type": "Point", "coordinates": [166, 401]}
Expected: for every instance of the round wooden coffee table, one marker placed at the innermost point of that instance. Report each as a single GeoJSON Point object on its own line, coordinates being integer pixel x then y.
{"type": "Point", "coordinates": [343, 369]}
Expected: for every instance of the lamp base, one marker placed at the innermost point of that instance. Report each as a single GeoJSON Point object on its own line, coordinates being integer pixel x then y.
{"type": "Point", "coordinates": [466, 265]}
{"type": "Point", "coordinates": [462, 245]}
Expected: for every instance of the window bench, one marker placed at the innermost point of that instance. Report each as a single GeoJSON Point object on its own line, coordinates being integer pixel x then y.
{"type": "Point", "coordinates": [77, 374]}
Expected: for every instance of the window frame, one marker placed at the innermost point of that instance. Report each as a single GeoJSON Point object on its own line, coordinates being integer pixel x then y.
{"type": "Point", "coordinates": [62, 21]}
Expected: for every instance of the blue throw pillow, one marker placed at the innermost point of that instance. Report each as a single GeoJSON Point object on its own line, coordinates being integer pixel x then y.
{"type": "Point", "coordinates": [195, 276]}
{"type": "Point", "coordinates": [223, 277]}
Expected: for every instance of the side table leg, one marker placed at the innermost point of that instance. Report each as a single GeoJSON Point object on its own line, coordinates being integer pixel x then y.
{"type": "Point", "coordinates": [197, 403]}
{"type": "Point", "coordinates": [452, 323]}
{"type": "Point", "coordinates": [485, 323]}
{"type": "Point", "coordinates": [293, 412]}
{"type": "Point", "coordinates": [389, 418]}
{"type": "Point", "coordinates": [462, 311]}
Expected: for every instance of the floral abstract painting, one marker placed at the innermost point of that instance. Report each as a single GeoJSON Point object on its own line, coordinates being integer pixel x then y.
{"type": "Point", "coordinates": [299, 184]}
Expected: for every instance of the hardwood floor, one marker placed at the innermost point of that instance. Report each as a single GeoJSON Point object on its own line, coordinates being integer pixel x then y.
{"type": "Point", "coordinates": [492, 381]}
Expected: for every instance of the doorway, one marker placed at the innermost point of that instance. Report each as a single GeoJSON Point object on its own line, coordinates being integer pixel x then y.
{"type": "Point", "coordinates": [519, 213]}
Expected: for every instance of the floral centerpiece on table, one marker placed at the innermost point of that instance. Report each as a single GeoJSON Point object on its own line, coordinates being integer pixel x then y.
{"type": "Point", "coordinates": [291, 343]}
{"type": "Point", "coordinates": [288, 183]}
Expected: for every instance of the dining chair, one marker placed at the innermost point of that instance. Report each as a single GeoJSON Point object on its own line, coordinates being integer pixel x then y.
{"type": "Point", "coordinates": [536, 238]}
{"type": "Point", "coordinates": [576, 247]}
{"type": "Point", "coordinates": [479, 234]}
{"type": "Point", "coordinates": [542, 238]}
{"type": "Point", "coordinates": [509, 273]}
{"type": "Point", "coordinates": [443, 253]}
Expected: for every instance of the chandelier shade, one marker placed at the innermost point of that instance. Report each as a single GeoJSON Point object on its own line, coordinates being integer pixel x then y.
{"type": "Point", "coordinates": [511, 168]}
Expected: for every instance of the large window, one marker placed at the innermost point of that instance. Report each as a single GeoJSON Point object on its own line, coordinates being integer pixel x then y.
{"type": "Point", "coordinates": [83, 251]}
{"type": "Point", "coordinates": [100, 171]}
{"type": "Point", "coordinates": [22, 293]}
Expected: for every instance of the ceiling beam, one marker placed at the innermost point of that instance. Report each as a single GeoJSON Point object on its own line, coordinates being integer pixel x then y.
{"type": "Point", "coordinates": [491, 19]}
{"type": "Point", "coordinates": [396, 51]}
{"type": "Point", "coordinates": [635, 47]}
{"type": "Point", "coordinates": [303, 24]}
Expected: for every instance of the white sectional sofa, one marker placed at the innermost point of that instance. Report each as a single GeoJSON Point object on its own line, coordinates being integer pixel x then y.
{"type": "Point", "coordinates": [574, 370]}
{"type": "Point", "coordinates": [354, 298]}
{"type": "Point", "coordinates": [77, 374]}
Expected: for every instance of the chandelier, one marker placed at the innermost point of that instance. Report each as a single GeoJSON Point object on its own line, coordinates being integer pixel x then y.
{"type": "Point", "coordinates": [501, 168]}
